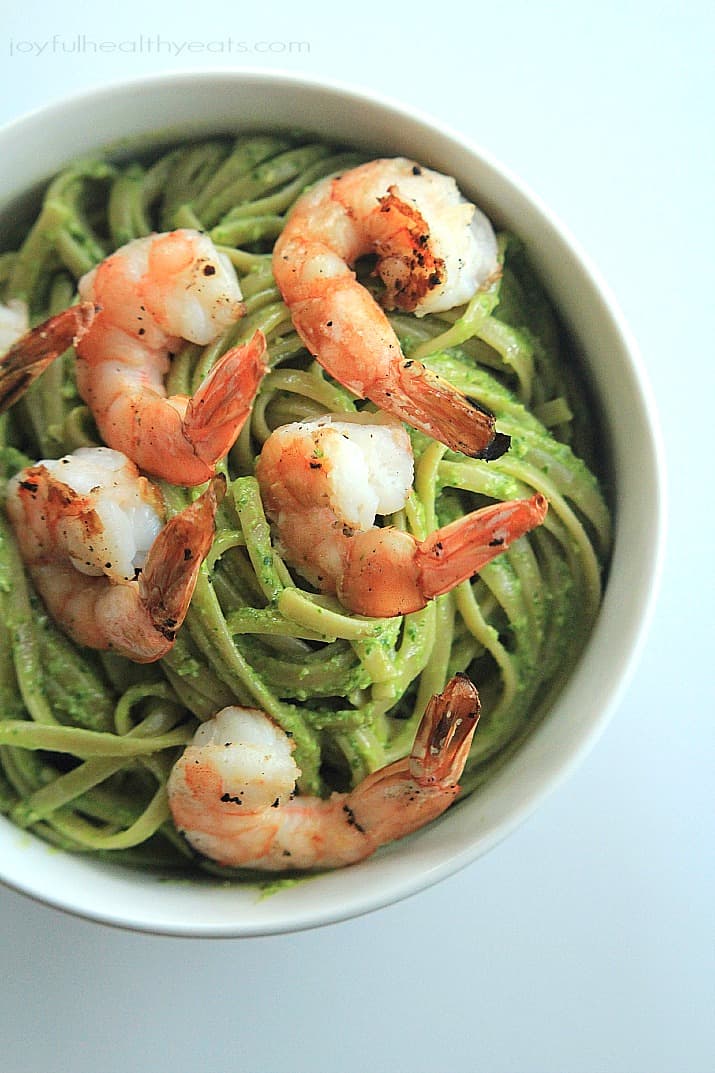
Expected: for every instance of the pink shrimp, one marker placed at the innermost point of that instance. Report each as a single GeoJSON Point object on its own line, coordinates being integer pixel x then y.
{"type": "Point", "coordinates": [232, 791]}
{"type": "Point", "coordinates": [108, 571]}
{"type": "Point", "coordinates": [153, 292]}
{"type": "Point", "coordinates": [146, 297]}
{"type": "Point", "coordinates": [323, 482]}
{"type": "Point", "coordinates": [434, 250]}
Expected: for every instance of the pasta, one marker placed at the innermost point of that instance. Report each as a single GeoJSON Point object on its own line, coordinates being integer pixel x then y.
{"type": "Point", "coordinates": [87, 739]}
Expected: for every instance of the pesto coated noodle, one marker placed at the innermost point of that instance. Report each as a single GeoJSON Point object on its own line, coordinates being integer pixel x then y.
{"type": "Point", "coordinates": [88, 739]}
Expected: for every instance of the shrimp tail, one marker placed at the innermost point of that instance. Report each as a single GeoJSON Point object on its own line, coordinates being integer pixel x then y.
{"type": "Point", "coordinates": [387, 572]}
{"type": "Point", "coordinates": [167, 582]}
{"type": "Point", "coordinates": [445, 734]}
{"type": "Point", "coordinates": [28, 358]}
{"type": "Point", "coordinates": [219, 409]}
{"type": "Point", "coordinates": [459, 550]}
{"type": "Point", "coordinates": [403, 797]}
{"type": "Point", "coordinates": [429, 402]}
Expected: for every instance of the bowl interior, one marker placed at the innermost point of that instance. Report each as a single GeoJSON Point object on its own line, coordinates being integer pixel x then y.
{"type": "Point", "coordinates": [166, 108]}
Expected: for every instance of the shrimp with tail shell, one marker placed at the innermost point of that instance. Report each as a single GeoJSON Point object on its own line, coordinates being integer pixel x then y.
{"type": "Point", "coordinates": [434, 250]}
{"type": "Point", "coordinates": [232, 792]}
{"type": "Point", "coordinates": [137, 307]}
{"type": "Point", "coordinates": [112, 575]}
{"type": "Point", "coordinates": [324, 481]}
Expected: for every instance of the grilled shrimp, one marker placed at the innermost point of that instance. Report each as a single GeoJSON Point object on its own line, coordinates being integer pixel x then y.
{"type": "Point", "coordinates": [91, 532]}
{"type": "Point", "coordinates": [232, 791]}
{"type": "Point", "coordinates": [324, 481]}
{"type": "Point", "coordinates": [144, 299]}
{"type": "Point", "coordinates": [152, 293]}
{"type": "Point", "coordinates": [434, 250]}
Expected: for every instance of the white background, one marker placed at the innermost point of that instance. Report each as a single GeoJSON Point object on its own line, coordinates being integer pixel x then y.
{"type": "Point", "coordinates": [584, 943]}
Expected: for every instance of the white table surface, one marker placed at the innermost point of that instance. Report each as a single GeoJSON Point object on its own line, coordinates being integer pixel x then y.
{"type": "Point", "coordinates": [584, 943]}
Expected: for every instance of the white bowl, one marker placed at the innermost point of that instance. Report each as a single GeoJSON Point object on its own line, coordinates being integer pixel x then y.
{"type": "Point", "coordinates": [189, 104]}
